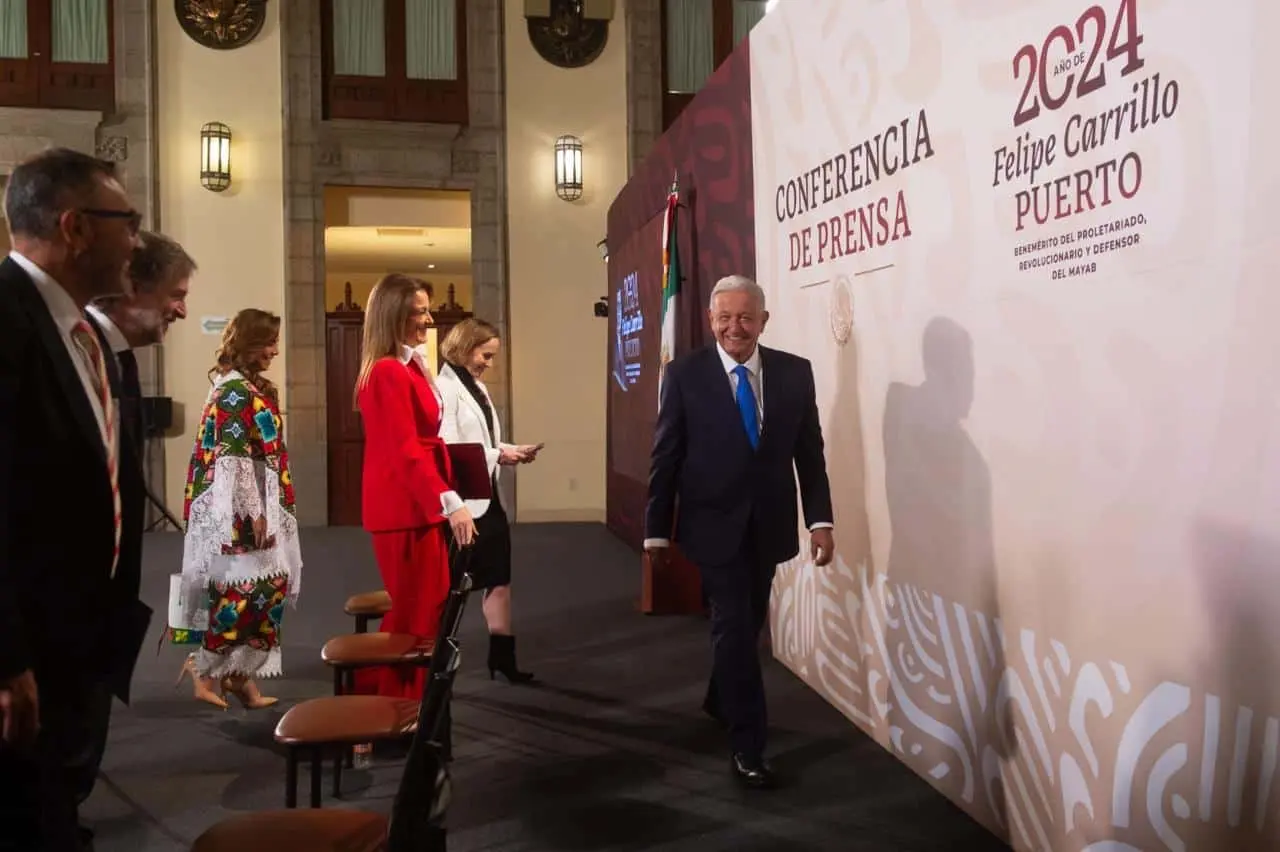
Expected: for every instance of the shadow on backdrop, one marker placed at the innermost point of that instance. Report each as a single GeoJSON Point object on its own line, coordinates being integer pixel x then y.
{"type": "Point", "coordinates": [1237, 572]}
{"type": "Point", "coordinates": [942, 571]}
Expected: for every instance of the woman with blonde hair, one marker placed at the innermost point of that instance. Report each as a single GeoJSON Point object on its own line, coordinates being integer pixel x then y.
{"type": "Point", "coordinates": [469, 350]}
{"type": "Point", "coordinates": [407, 499]}
{"type": "Point", "coordinates": [241, 559]}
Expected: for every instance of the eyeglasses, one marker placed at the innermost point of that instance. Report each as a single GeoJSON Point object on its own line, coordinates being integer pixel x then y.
{"type": "Point", "coordinates": [133, 217]}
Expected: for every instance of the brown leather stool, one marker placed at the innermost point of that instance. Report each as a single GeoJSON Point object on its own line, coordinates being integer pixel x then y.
{"type": "Point", "coordinates": [346, 654]}
{"type": "Point", "coordinates": [304, 831]}
{"type": "Point", "coordinates": [366, 607]}
{"type": "Point", "coordinates": [321, 724]}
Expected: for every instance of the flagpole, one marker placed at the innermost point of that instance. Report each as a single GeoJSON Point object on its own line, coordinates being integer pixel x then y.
{"type": "Point", "coordinates": [667, 342]}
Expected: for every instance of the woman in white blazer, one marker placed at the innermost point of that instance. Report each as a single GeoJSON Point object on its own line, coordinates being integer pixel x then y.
{"type": "Point", "coordinates": [468, 417]}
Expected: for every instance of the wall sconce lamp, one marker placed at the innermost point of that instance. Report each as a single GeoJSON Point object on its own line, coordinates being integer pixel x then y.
{"type": "Point", "coordinates": [569, 168]}
{"type": "Point", "coordinates": [603, 245]}
{"type": "Point", "coordinates": [215, 156]}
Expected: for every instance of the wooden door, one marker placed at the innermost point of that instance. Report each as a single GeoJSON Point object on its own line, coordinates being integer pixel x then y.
{"type": "Point", "coordinates": [346, 433]}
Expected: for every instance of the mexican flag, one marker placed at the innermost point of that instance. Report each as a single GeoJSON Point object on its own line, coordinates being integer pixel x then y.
{"type": "Point", "coordinates": [670, 283]}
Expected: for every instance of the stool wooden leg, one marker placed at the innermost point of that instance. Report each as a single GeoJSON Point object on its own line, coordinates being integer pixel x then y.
{"type": "Point", "coordinates": [291, 778]}
{"type": "Point", "coordinates": [317, 768]}
{"type": "Point", "coordinates": [348, 687]}
{"type": "Point", "coordinates": [338, 758]}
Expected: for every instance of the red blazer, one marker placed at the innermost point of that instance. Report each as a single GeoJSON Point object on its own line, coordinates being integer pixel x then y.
{"type": "Point", "coordinates": [406, 464]}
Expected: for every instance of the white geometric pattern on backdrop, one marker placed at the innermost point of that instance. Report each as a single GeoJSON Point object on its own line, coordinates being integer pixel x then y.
{"type": "Point", "coordinates": [949, 691]}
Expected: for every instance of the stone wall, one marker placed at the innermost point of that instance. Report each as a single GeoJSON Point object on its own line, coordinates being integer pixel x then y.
{"type": "Point", "coordinates": [358, 153]}
{"type": "Point", "coordinates": [320, 153]}
{"type": "Point", "coordinates": [644, 77]}
{"type": "Point", "coordinates": [425, 156]}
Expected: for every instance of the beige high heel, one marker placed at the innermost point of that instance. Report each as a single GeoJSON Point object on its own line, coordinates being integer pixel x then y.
{"type": "Point", "coordinates": [246, 691]}
{"type": "Point", "coordinates": [201, 691]}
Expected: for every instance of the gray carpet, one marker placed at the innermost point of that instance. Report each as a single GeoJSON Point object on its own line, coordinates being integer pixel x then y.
{"type": "Point", "coordinates": [609, 753]}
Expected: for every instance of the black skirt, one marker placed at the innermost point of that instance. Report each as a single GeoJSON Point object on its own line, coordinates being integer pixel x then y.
{"type": "Point", "coordinates": [490, 562]}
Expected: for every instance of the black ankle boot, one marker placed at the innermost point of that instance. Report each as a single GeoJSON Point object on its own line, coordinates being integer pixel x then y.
{"type": "Point", "coordinates": [502, 659]}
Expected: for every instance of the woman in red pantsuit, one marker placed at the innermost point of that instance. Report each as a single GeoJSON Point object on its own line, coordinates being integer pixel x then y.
{"type": "Point", "coordinates": [407, 498]}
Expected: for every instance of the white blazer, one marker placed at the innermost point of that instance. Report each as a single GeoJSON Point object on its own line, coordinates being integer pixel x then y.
{"type": "Point", "coordinates": [462, 422]}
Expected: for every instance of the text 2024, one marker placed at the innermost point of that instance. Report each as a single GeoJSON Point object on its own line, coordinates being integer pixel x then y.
{"type": "Point", "coordinates": [1090, 32]}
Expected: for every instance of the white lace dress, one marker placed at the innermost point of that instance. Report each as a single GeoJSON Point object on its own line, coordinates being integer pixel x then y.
{"type": "Point", "coordinates": [234, 592]}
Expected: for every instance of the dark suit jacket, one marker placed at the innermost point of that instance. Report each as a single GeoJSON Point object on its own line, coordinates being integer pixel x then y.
{"type": "Point", "coordinates": [61, 613]}
{"type": "Point", "coordinates": [705, 477]}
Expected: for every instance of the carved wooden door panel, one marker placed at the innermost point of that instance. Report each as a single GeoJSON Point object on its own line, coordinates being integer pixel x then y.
{"type": "Point", "coordinates": [346, 433]}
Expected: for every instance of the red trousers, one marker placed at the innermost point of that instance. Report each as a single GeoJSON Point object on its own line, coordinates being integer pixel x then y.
{"type": "Point", "coordinates": [415, 571]}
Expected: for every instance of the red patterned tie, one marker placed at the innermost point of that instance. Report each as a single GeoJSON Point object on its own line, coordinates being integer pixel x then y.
{"type": "Point", "coordinates": [87, 342]}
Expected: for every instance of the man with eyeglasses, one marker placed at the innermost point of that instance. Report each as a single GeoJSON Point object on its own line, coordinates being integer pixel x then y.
{"type": "Point", "coordinates": [71, 622]}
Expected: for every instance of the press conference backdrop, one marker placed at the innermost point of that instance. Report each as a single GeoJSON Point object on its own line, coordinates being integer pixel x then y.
{"type": "Point", "coordinates": [708, 150]}
{"type": "Point", "coordinates": [635, 317]}
{"type": "Point", "coordinates": [1029, 250]}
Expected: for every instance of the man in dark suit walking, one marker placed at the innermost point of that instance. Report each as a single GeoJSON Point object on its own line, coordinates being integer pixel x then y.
{"type": "Point", "coordinates": [157, 283]}
{"type": "Point", "coordinates": [71, 623]}
{"type": "Point", "coordinates": [727, 452]}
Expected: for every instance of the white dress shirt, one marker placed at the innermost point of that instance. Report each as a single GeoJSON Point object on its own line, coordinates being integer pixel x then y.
{"type": "Point", "coordinates": [755, 375]}
{"type": "Point", "coordinates": [65, 318]}
{"type": "Point", "coordinates": [449, 500]}
{"type": "Point", "coordinates": [115, 337]}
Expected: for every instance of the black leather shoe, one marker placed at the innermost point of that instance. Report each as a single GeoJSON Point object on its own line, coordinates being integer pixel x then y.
{"type": "Point", "coordinates": [752, 773]}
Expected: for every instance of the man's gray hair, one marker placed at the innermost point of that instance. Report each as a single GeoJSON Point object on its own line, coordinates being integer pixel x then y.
{"type": "Point", "coordinates": [737, 284]}
{"type": "Point", "coordinates": [158, 261]}
{"type": "Point", "coordinates": [44, 185]}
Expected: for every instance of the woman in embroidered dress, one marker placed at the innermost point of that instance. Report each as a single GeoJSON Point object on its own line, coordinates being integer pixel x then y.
{"type": "Point", "coordinates": [241, 561]}
{"type": "Point", "coordinates": [406, 501]}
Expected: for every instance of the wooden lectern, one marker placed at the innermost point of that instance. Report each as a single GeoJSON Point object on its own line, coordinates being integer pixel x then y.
{"type": "Point", "coordinates": [678, 591]}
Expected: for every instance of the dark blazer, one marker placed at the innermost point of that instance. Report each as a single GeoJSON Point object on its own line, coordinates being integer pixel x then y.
{"type": "Point", "coordinates": [705, 477]}
{"type": "Point", "coordinates": [61, 613]}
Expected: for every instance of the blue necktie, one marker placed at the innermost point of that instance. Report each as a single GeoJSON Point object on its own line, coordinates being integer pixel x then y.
{"type": "Point", "coordinates": [747, 405]}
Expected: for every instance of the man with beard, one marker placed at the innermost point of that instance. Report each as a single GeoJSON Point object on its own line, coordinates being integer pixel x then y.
{"type": "Point", "coordinates": [157, 283]}
{"type": "Point", "coordinates": [154, 297]}
{"type": "Point", "coordinates": [71, 623]}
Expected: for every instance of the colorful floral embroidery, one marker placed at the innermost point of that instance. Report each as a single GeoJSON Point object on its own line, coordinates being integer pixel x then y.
{"type": "Point", "coordinates": [239, 422]}
{"type": "Point", "coordinates": [181, 636]}
{"type": "Point", "coordinates": [267, 423]}
{"type": "Point", "coordinates": [239, 473]}
{"type": "Point", "coordinates": [246, 613]}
